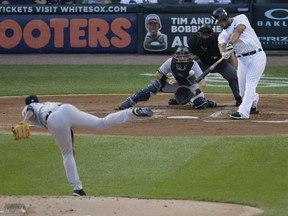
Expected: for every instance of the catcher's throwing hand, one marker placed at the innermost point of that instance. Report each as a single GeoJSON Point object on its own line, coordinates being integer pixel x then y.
{"type": "Point", "coordinates": [21, 131]}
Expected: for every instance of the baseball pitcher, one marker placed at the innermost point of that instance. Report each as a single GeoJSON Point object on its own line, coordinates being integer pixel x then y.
{"type": "Point", "coordinates": [61, 118]}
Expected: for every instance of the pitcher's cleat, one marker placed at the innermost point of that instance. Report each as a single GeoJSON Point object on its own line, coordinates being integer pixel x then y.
{"type": "Point", "coordinates": [79, 193]}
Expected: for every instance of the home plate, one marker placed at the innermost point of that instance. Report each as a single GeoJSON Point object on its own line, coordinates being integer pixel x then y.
{"type": "Point", "coordinates": [182, 117]}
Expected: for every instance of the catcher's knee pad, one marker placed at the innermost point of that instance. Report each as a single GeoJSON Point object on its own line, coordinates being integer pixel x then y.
{"type": "Point", "coordinates": [199, 103]}
{"type": "Point", "coordinates": [154, 86]}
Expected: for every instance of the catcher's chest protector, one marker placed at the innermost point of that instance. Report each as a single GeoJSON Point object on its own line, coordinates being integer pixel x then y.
{"type": "Point", "coordinates": [181, 75]}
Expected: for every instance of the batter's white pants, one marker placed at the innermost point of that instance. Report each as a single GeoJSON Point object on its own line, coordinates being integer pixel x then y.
{"type": "Point", "coordinates": [250, 70]}
{"type": "Point", "coordinates": [66, 117]}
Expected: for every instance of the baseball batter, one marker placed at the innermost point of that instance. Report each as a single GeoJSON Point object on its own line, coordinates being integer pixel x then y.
{"type": "Point", "coordinates": [204, 44]}
{"type": "Point", "coordinates": [184, 71]}
{"type": "Point", "coordinates": [238, 36]}
{"type": "Point", "coordinates": [60, 119]}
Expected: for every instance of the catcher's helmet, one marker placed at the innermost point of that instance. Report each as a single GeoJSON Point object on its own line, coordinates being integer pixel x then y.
{"type": "Point", "coordinates": [153, 18]}
{"type": "Point", "coordinates": [31, 99]}
{"type": "Point", "coordinates": [219, 14]}
{"type": "Point", "coordinates": [182, 57]}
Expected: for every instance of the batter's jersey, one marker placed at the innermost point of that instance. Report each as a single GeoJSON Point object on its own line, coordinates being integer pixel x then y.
{"type": "Point", "coordinates": [248, 40]}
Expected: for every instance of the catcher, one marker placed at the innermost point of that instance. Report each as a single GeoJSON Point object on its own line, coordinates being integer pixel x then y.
{"type": "Point", "coordinates": [60, 119]}
{"type": "Point", "coordinates": [185, 71]}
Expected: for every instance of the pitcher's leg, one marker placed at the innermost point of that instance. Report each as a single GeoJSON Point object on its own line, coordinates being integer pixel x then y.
{"type": "Point", "coordinates": [63, 139]}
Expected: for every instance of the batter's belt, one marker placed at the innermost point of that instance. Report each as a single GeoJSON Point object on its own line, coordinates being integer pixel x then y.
{"type": "Point", "coordinates": [249, 53]}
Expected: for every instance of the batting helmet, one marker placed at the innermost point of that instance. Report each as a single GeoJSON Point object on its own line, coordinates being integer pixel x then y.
{"type": "Point", "coordinates": [31, 99]}
{"type": "Point", "coordinates": [219, 14]}
{"type": "Point", "coordinates": [182, 57]}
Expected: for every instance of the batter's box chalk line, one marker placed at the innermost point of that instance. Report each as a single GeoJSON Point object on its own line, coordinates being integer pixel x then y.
{"type": "Point", "coordinates": [283, 121]}
{"type": "Point", "coordinates": [183, 117]}
{"type": "Point", "coordinates": [13, 208]}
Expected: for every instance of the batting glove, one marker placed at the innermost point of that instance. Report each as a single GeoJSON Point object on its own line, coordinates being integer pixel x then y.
{"type": "Point", "coordinates": [229, 51]}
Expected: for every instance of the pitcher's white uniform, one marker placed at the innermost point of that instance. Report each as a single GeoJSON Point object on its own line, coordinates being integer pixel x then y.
{"type": "Point", "coordinates": [251, 62]}
{"type": "Point", "coordinates": [60, 118]}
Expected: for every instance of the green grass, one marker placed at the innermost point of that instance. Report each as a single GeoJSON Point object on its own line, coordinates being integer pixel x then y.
{"type": "Point", "coordinates": [245, 170]}
{"type": "Point", "coordinates": [95, 79]}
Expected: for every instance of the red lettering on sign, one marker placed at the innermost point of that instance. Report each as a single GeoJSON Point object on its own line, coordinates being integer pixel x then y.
{"type": "Point", "coordinates": [123, 39]}
{"type": "Point", "coordinates": [13, 40]}
{"type": "Point", "coordinates": [82, 32]}
{"type": "Point", "coordinates": [76, 32]}
{"type": "Point", "coordinates": [38, 41]}
{"type": "Point", "coordinates": [59, 25]}
{"type": "Point", "coordinates": [98, 29]}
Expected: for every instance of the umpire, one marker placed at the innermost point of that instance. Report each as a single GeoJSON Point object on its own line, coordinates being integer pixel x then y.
{"type": "Point", "coordinates": [204, 44]}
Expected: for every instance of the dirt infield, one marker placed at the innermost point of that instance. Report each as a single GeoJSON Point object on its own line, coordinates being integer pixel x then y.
{"type": "Point", "coordinates": [272, 119]}
{"type": "Point", "coordinates": [167, 121]}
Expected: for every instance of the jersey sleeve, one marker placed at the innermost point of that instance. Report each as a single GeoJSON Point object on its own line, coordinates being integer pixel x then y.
{"type": "Point", "coordinates": [241, 19]}
{"type": "Point", "coordinates": [28, 113]}
{"type": "Point", "coordinates": [165, 68]}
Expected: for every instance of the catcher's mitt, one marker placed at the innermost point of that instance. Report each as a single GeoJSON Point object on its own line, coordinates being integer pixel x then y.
{"type": "Point", "coordinates": [21, 131]}
{"type": "Point", "coordinates": [183, 95]}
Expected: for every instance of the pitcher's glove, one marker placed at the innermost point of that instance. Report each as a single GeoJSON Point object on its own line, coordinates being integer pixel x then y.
{"type": "Point", "coordinates": [183, 95]}
{"type": "Point", "coordinates": [21, 131]}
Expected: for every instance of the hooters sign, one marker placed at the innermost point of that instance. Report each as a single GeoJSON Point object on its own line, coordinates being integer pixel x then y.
{"type": "Point", "coordinates": [68, 33]}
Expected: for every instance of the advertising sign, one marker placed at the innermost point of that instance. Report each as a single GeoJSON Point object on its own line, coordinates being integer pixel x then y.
{"type": "Point", "coordinates": [165, 32]}
{"type": "Point", "coordinates": [271, 25]}
{"type": "Point", "coordinates": [69, 33]}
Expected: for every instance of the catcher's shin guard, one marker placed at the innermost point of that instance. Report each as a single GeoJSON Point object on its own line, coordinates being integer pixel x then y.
{"type": "Point", "coordinates": [127, 104]}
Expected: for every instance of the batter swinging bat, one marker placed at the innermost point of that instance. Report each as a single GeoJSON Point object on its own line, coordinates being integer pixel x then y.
{"type": "Point", "coordinates": [206, 72]}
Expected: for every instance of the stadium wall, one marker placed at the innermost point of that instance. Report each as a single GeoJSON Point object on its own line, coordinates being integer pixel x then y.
{"type": "Point", "coordinates": [122, 28]}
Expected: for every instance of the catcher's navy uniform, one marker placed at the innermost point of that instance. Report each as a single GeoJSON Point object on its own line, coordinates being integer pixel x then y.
{"type": "Point", "coordinates": [184, 71]}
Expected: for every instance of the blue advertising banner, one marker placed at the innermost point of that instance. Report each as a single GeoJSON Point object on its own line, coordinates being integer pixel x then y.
{"type": "Point", "coordinates": [271, 24]}
{"type": "Point", "coordinates": [69, 33]}
{"type": "Point", "coordinates": [165, 32]}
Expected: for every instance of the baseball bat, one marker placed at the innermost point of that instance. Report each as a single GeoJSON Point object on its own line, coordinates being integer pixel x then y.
{"type": "Point", "coordinates": [211, 68]}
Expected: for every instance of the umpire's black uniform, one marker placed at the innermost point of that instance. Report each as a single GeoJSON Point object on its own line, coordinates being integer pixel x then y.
{"type": "Point", "coordinates": [208, 52]}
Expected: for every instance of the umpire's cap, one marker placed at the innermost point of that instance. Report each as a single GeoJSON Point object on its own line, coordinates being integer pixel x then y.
{"type": "Point", "coordinates": [31, 99]}
{"type": "Point", "coordinates": [206, 28]}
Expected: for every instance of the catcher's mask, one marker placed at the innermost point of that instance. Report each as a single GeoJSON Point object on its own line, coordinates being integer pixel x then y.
{"type": "Point", "coordinates": [219, 14]}
{"type": "Point", "coordinates": [182, 57]}
{"type": "Point", "coordinates": [31, 99]}
{"type": "Point", "coordinates": [205, 32]}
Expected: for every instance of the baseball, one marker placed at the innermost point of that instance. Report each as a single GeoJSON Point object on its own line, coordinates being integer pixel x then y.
{"type": "Point", "coordinates": [191, 73]}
